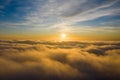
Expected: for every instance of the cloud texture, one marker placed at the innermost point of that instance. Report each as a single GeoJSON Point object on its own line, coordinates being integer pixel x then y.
{"type": "Point", "coordinates": [37, 60]}
{"type": "Point", "coordinates": [52, 14]}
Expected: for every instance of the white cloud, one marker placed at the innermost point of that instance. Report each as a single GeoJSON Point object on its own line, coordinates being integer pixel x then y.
{"type": "Point", "coordinates": [61, 14]}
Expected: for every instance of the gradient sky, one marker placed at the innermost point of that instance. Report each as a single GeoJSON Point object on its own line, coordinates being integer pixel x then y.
{"type": "Point", "coordinates": [47, 19]}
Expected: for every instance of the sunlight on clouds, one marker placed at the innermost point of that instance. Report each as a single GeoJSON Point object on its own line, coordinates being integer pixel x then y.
{"type": "Point", "coordinates": [40, 60]}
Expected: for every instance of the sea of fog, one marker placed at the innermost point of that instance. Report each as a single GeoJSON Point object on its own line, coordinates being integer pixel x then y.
{"type": "Point", "coordinates": [72, 60]}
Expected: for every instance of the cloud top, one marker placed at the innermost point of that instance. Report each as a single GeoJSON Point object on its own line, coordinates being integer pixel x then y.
{"type": "Point", "coordinates": [37, 60]}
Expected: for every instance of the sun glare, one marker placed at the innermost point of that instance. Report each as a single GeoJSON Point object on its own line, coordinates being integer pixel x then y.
{"type": "Point", "coordinates": [63, 35]}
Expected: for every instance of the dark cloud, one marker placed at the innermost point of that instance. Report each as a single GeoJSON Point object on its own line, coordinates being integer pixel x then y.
{"type": "Point", "coordinates": [33, 60]}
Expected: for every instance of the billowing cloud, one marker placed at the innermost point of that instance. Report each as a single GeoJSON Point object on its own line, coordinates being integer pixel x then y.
{"type": "Point", "coordinates": [37, 60]}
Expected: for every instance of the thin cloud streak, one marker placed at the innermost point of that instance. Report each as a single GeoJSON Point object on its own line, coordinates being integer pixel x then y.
{"type": "Point", "coordinates": [55, 12]}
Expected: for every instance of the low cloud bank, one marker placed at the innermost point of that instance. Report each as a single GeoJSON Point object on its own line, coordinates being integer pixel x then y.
{"type": "Point", "coordinates": [33, 60]}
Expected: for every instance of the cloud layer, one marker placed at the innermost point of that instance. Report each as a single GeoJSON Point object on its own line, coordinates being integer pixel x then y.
{"type": "Point", "coordinates": [37, 60]}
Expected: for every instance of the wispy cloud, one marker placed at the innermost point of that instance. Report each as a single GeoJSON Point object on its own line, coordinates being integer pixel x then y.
{"type": "Point", "coordinates": [4, 3]}
{"type": "Point", "coordinates": [64, 13]}
{"type": "Point", "coordinates": [60, 15]}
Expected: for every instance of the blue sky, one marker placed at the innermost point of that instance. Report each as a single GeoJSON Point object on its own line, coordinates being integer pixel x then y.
{"type": "Point", "coordinates": [59, 16]}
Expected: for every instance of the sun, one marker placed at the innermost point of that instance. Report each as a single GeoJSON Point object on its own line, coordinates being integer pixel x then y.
{"type": "Point", "coordinates": [63, 35]}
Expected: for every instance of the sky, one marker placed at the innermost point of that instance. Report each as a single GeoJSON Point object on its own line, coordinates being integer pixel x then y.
{"type": "Point", "coordinates": [48, 19]}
